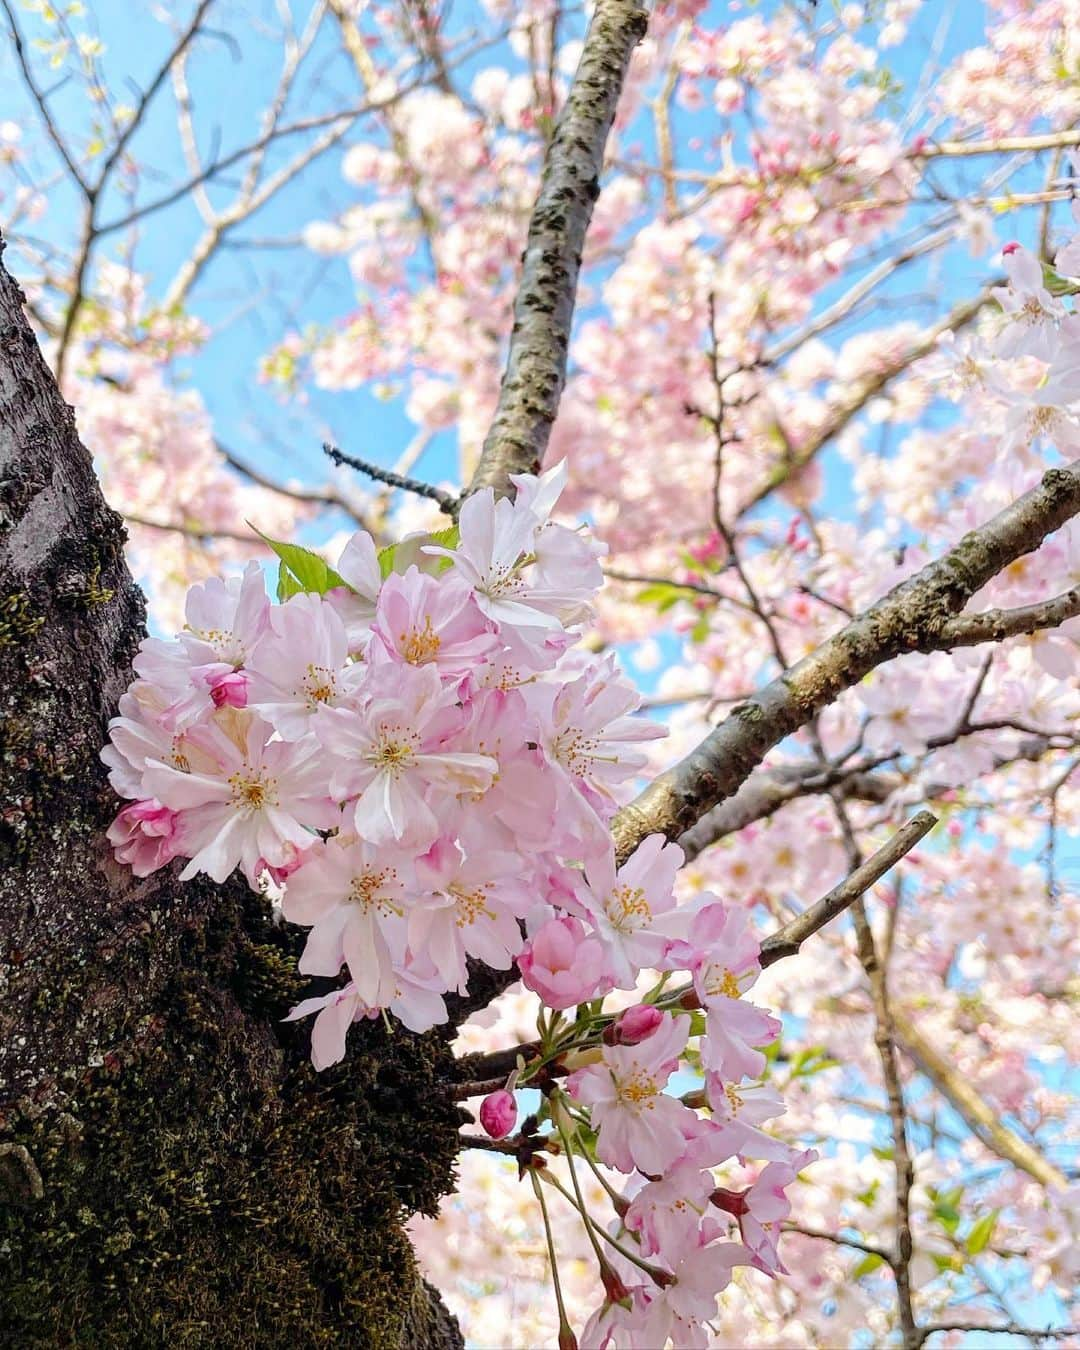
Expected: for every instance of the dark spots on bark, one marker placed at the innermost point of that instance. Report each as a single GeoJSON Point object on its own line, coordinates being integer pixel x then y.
{"type": "Point", "coordinates": [201, 1175]}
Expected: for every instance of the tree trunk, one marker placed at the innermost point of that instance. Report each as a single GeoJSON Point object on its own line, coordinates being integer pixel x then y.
{"type": "Point", "coordinates": [171, 1168]}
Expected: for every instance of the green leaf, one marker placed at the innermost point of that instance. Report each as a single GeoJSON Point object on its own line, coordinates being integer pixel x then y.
{"type": "Point", "coordinates": [868, 1196]}
{"type": "Point", "coordinates": [662, 594]}
{"type": "Point", "coordinates": [1056, 284]}
{"type": "Point", "coordinates": [870, 1262]}
{"type": "Point", "coordinates": [981, 1233]}
{"type": "Point", "coordinates": [700, 630]}
{"type": "Point", "coordinates": [697, 1023]}
{"type": "Point", "coordinates": [393, 555]}
{"type": "Point", "coordinates": [300, 569]}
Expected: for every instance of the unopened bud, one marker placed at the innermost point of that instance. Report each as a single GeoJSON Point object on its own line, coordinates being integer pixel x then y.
{"type": "Point", "coordinates": [498, 1112]}
{"type": "Point", "coordinates": [230, 691]}
{"type": "Point", "coordinates": [614, 1288]}
{"type": "Point", "coordinates": [637, 1024]}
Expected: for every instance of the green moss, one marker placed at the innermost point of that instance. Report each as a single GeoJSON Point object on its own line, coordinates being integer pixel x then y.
{"type": "Point", "coordinates": [18, 622]}
{"type": "Point", "coordinates": [204, 1185]}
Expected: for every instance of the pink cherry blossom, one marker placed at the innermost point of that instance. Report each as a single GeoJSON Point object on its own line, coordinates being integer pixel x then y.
{"type": "Point", "coordinates": [394, 753]}
{"type": "Point", "coordinates": [146, 836]}
{"type": "Point", "coordinates": [562, 965]}
{"type": "Point", "coordinates": [354, 897]}
{"type": "Point", "coordinates": [261, 798]}
{"type": "Point", "coordinates": [421, 619]}
{"type": "Point", "coordinates": [639, 1125]}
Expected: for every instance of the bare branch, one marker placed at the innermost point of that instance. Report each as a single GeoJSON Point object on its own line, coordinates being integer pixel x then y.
{"type": "Point", "coordinates": [446, 500]}
{"type": "Point", "coordinates": [787, 940]}
{"type": "Point", "coordinates": [994, 625]}
{"type": "Point", "coordinates": [982, 1119]}
{"type": "Point", "coordinates": [52, 130]}
{"type": "Point", "coordinates": [908, 619]}
{"type": "Point", "coordinates": [536, 365]}
{"type": "Point", "coordinates": [1000, 145]}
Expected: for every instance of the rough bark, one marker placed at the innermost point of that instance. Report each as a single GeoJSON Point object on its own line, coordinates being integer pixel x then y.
{"type": "Point", "coordinates": [171, 1169]}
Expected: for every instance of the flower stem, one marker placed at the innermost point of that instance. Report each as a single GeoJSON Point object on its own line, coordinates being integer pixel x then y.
{"type": "Point", "coordinates": [564, 1324]}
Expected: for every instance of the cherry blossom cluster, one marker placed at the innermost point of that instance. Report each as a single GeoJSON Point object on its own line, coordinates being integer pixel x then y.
{"type": "Point", "coordinates": [418, 760]}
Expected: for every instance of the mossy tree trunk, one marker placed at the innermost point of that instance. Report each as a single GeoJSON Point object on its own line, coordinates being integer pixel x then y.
{"type": "Point", "coordinates": [171, 1169]}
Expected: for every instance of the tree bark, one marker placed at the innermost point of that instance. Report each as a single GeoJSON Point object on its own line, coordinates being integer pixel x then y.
{"type": "Point", "coordinates": [171, 1168]}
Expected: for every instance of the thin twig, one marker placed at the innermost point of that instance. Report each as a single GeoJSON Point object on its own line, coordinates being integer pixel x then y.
{"type": "Point", "coordinates": [837, 1240]}
{"type": "Point", "coordinates": [192, 531]}
{"type": "Point", "coordinates": [1006, 1329]}
{"type": "Point", "coordinates": [446, 500]}
{"type": "Point", "coordinates": [786, 941]}
{"type": "Point", "coordinates": [885, 1041]}
{"type": "Point", "coordinates": [38, 96]}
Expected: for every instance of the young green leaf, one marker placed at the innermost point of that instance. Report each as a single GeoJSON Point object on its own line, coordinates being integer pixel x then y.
{"type": "Point", "coordinates": [300, 569]}
{"type": "Point", "coordinates": [870, 1262]}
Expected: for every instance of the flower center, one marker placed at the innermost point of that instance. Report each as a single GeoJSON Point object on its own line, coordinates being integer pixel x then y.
{"type": "Point", "coordinates": [470, 904]}
{"type": "Point", "coordinates": [575, 751]}
{"type": "Point", "coordinates": [320, 684]}
{"type": "Point", "coordinates": [1032, 311]}
{"type": "Point", "coordinates": [252, 791]}
{"type": "Point", "coordinates": [627, 908]}
{"type": "Point", "coordinates": [223, 641]}
{"type": "Point", "coordinates": [420, 645]}
{"type": "Point", "coordinates": [365, 891]}
{"type": "Point", "coordinates": [722, 984]}
{"type": "Point", "coordinates": [503, 580]}
{"type": "Point", "coordinates": [395, 751]}
{"type": "Point", "coordinates": [639, 1089]}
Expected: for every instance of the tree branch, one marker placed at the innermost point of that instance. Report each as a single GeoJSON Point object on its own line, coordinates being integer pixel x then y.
{"type": "Point", "coordinates": [786, 941]}
{"type": "Point", "coordinates": [994, 625]}
{"type": "Point", "coordinates": [536, 365]}
{"type": "Point", "coordinates": [983, 1121]}
{"type": "Point", "coordinates": [910, 618]}
{"type": "Point", "coordinates": [446, 500]}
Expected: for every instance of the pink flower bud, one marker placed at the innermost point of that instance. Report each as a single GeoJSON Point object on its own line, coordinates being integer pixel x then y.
{"type": "Point", "coordinates": [498, 1113]}
{"type": "Point", "coordinates": [230, 690]}
{"type": "Point", "coordinates": [636, 1024]}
